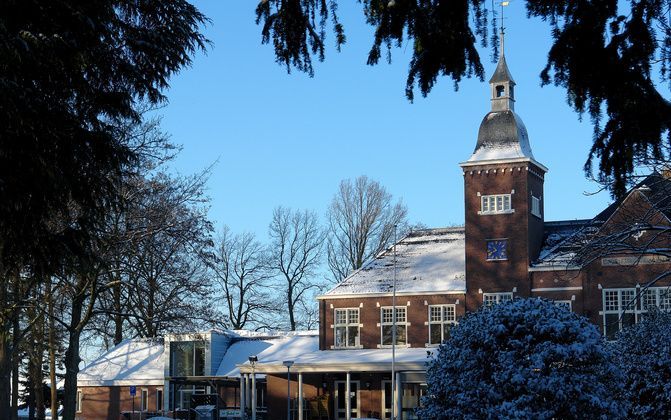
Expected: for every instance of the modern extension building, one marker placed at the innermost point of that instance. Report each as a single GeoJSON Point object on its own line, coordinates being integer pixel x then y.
{"type": "Point", "coordinates": [599, 268]}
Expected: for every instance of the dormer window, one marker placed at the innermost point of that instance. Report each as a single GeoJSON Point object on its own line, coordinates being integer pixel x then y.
{"type": "Point", "coordinates": [496, 204]}
{"type": "Point", "coordinates": [500, 91]}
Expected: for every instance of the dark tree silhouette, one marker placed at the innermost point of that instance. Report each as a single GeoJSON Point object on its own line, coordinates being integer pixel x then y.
{"type": "Point", "coordinates": [603, 54]}
{"type": "Point", "coordinates": [70, 73]}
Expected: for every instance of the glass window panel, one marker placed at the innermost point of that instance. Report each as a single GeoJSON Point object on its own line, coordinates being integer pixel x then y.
{"type": "Point", "coordinates": [182, 358]}
{"type": "Point", "coordinates": [612, 325]}
{"type": "Point", "coordinates": [499, 203]}
{"type": "Point", "coordinates": [450, 314]}
{"type": "Point", "coordinates": [628, 319]}
{"type": "Point", "coordinates": [386, 335]}
{"type": "Point", "coordinates": [401, 337]}
{"type": "Point", "coordinates": [340, 316]}
{"type": "Point", "coordinates": [199, 368]}
{"type": "Point", "coordinates": [340, 334]}
{"type": "Point", "coordinates": [435, 313]}
{"type": "Point", "coordinates": [665, 299]}
{"type": "Point", "coordinates": [400, 314]}
{"type": "Point", "coordinates": [353, 315]}
{"type": "Point", "coordinates": [446, 330]}
{"type": "Point", "coordinates": [485, 204]}
{"type": "Point", "coordinates": [506, 202]}
{"type": "Point", "coordinates": [352, 336]}
{"type": "Point", "coordinates": [435, 334]}
{"type": "Point", "coordinates": [649, 299]}
{"type": "Point", "coordinates": [611, 300]}
{"type": "Point", "coordinates": [627, 301]}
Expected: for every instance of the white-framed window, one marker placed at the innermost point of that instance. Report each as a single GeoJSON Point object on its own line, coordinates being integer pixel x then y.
{"type": "Point", "coordinates": [144, 399]}
{"type": "Point", "coordinates": [346, 328]}
{"type": "Point", "coordinates": [491, 299]}
{"type": "Point", "coordinates": [565, 304]}
{"type": "Point", "coordinates": [159, 400]}
{"type": "Point", "coordinates": [496, 203]}
{"type": "Point", "coordinates": [441, 320]}
{"type": "Point", "coordinates": [78, 403]}
{"type": "Point", "coordinates": [536, 206]}
{"type": "Point", "coordinates": [627, 306]}
{"type": "Point", "coordinates": [386, 325]}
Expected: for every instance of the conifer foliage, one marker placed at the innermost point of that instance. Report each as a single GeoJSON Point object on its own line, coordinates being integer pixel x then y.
{"type": "Point", "coordinates": [609, 56]}
{"type": "Point", "coordinates": [525, 359]}
{"type": "Point", "coordinates": [643, 353]}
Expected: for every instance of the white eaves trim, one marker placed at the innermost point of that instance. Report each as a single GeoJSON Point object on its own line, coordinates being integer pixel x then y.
{"type": "Point", "coordinates": [554, 267]}
{"type": "Point", "coordinates": [498, 161]}
{"type": "Point", "coordinates": [556, 289]}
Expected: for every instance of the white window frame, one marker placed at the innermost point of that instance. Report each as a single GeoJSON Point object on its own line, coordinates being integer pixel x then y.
{"type": "Point", "coordinates": [661, 297]}
{"type": "Point", "coordinates": [536, 206]}
{"type": "Point", "coordinates": [496, 298]}
{"type": "Point", "coordinates": [144, 399]}
{"type": "Point", "coordinates": [80, 399]}
{"type": "Point", "coordinates": [496, 204]}
{"type": "Point", "coordinates": [383, 323]}
{"type": "Point", "coordinates": [347, 325]}
{"type": "Point", "coordinates": [567, 304]}
{"type": "Point", "coordinates": [444, 319]}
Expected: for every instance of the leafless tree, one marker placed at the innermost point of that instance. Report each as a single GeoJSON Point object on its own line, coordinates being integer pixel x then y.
{"type": "Point", "coordinates": [296, 240]}
{"type": "Point", "coordinates": [361, 221]}
{"type": "Point", "coordinates": [241, 270]}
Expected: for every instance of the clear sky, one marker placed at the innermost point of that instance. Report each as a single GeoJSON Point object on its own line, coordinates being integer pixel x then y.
{"type": "Point", "coordinates": [288, 139]}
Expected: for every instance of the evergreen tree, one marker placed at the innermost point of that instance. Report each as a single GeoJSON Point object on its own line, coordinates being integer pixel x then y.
{"type": "Point", "coordinates": [643, 353]}
{"type": "Point", "coordinates": [523, 359]}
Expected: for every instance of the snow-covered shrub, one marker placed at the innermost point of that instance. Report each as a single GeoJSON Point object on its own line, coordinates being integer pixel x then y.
{"type": "Point", "coordinates": [522, 359]}
{"type": "Point", "coordinates": [643, 353]}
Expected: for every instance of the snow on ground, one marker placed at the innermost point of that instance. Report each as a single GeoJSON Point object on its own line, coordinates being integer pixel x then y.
{"type": "Point", "coordinates": [428, 260]}
{"type": "Point", "coordinates": [129, 363]}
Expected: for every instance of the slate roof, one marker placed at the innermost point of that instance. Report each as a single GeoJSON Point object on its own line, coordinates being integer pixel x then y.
{"type": "Point", "coordinates": [564, 238]}
{"type": "Point", "coordinates": [501, 74]}
{"type": "Point", "coordinates": [502, 135]}
{"type": "Point", "coordinates": [427, 260]}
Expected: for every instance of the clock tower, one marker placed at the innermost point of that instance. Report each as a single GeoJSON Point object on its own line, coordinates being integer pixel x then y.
{"type": "Point", "coordinates": [503, 187]}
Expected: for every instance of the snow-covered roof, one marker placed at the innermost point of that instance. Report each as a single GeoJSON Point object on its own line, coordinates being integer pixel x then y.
{"type": "Point", "coordinates": [132, 362]}
{"type": "Point", "coordinates": [271, 351]}
{"type": "Point", "coordinates": [354, 360]}
{"type": "Point", "coordinates": [427, 260]}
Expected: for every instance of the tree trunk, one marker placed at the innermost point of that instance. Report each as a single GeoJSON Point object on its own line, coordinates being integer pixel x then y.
{"type": "Point", "coordinates": [72, 360]}
{"type": "Point", "coordinates": [118, 319]}
{"type": "Point", "coordinates": [14, 359]}
{"type": "Point", "coordinates": [5, 373]}
{"type": "Point", "coordinates": [52, 355]}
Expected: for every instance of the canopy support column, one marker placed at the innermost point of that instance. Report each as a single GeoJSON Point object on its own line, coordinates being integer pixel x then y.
{"type": "Point", "coordinates": [348, 397]}
{"type": "Point", "coordinates": [300, 396]}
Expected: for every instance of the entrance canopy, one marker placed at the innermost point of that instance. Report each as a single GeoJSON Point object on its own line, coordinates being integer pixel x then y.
{"type": "Point", "coordinates": [365, 360]}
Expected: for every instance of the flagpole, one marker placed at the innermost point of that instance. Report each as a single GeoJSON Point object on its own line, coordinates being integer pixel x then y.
{"type": "Point", "coordinates": [394, 385]}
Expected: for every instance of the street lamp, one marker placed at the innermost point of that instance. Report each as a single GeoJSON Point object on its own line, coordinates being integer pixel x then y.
{"type": "Point", "coordinates": [288, 364]}
{"type": "Point", "coordinates": [252, 361]}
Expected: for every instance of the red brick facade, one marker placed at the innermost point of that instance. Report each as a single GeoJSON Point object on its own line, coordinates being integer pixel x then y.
{"type": "Point", "coordinates": [110, 402]}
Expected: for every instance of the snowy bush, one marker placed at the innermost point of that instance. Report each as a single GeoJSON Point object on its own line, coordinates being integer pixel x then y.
{"type": "Point", "coordinates": [525, 359]}
{"type": "Point", "coordinates": [643, 353]}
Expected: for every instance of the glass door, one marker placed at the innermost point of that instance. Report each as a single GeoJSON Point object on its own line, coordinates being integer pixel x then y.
{"type": "Point", "coordinates": [339, 400]}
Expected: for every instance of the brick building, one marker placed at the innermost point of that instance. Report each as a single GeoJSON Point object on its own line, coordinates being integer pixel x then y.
{"type": "Point", "coordinates": [609, 269]}
{"type": "Point", "coordinates": [600, 268]}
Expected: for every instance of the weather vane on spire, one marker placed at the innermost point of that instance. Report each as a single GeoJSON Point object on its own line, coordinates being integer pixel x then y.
{"type": "Point", "coordinates": [503, 4]}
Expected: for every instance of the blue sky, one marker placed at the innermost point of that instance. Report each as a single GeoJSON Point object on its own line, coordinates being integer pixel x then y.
{"type": "Point", "coordinates": [288, 139]}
